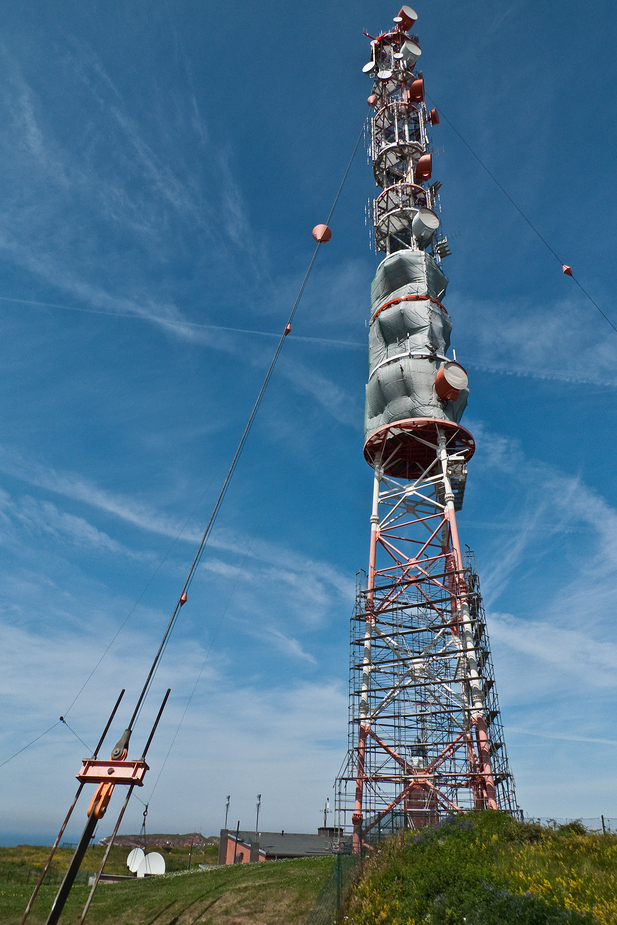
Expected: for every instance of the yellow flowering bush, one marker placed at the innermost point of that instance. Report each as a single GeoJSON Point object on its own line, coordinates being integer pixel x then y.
{"type": "Point", "coordinates": [486, 868]}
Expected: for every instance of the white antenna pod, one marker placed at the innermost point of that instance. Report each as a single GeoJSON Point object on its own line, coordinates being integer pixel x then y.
{"type": "Point", "coordinates": [152, 864]}
{"type": "Point", "coordinates": [134, 859]}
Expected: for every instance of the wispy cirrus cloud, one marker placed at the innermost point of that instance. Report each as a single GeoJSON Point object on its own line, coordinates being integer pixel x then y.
{"type": "Point", "coordinates": [554, 503]}
{"type": "Point", "coordinates": [257, 566]}
{"type": "Point", "coordinates": [556, 660]}
{"type": "Point", "coordinates": [558, 657]}
{"type": "Point", "coordinates": [72, 485]}
{"type": "Point", "coordinates": [285, 643]}
{"type": "Point", "coordinates": [44, 517]}
{"type": "Point", "coordinates": [566, 341]}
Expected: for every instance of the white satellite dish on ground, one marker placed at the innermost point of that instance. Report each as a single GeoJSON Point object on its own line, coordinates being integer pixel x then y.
{"type": "Point", "coordinates": [134, 859]}
{"type": "Point", "coordinates": [152, 864]}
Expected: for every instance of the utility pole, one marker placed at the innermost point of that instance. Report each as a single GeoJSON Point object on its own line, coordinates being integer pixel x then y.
{"type": "Point", "coordinates": [257, 819]}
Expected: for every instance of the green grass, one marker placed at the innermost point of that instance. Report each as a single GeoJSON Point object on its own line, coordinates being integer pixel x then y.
{"type": "Point", "coordinates": [266, 893]}
{"type": "Point", "coordinates": [485, 868]}
{"type": "Point", "coordinates": [24, 863]}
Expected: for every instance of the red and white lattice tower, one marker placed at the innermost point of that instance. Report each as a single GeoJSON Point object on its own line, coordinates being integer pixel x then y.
{"type": "Point", "coordinates": [425, 735]}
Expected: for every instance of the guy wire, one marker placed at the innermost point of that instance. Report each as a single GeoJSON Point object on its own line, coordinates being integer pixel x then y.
{"type": "Point", "coordinates": [234, 462]}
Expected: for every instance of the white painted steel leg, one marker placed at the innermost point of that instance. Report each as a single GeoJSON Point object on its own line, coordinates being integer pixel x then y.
{"type": "Point", "coordinates": [366, 669]}
{"type": "Point", "coordinates": [475, 683]}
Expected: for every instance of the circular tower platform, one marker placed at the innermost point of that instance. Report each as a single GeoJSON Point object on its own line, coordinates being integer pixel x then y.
{"type": "Point", "coordinates": [405, 449]}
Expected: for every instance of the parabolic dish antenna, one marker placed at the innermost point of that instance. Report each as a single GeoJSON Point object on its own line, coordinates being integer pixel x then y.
{"type": "Point", "coordinates": [408, 16]}
{"type": "Point", "coordinates": [134, 859]}
{"type": "Point", "coordinates": [384, 75]}
{"type": "Point", "coordinates": [368, 67]}
{"type": "Point", "coordinates": [424, 225]}
{"type": "Point", "coordinates": [152, 864]}
{"type": "Point", "coordinates": [411, 53]}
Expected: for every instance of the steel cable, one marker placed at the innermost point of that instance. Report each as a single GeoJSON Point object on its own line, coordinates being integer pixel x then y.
{"type": "Point", "coordinates": [520, 212]}
{"type": "Point", "coordinates": [198, 555]}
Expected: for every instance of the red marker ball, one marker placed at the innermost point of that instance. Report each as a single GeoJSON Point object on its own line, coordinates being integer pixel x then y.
{"type": "Point", "coordinates": [322, 233]}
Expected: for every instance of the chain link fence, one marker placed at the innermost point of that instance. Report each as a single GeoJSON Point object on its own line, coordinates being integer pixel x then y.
{"type": "Point", "coordinates": [347, 866]}
{"type": "Point", "coordinates": [332, 896]}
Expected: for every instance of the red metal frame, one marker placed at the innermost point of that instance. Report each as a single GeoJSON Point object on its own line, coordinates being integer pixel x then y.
{"type": "Point", "coordinates": [112, 772]}
{"type": "Point", "coordinates": [424, 725]}
{"type": "Point", "coordinates": [406, 448]}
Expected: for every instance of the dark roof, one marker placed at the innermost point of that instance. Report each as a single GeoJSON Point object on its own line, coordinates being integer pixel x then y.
{"type": "Point", "coordinates": [175, 841]}
{"type": "Point", "coordinates": [289, 844]}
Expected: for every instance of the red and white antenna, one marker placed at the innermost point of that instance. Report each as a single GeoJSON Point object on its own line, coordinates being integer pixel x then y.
{"type": "Point", "coordinates": [425, 735]}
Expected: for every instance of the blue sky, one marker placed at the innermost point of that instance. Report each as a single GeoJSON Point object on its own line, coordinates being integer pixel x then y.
{"type": "Point", "coordinates": [161, 168]}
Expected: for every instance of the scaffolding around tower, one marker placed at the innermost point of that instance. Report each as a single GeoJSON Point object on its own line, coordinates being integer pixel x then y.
{"type": "Point", "coordinates": [425, 734]}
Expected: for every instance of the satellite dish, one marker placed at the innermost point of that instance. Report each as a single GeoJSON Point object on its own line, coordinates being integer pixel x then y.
{"type": "Point", "coordinates": [368, 67]}
{"type": "Point", "coordinates": [152, 864]}
{"type": "Point", "coordinates": [134, 859]}
{"type": "Point", "coordinates": [398, 56]}
{"type": "Point", "coordinates": [411, 52]}
{"type": "Point", "coordinates": [424, 225]}
{"type": "Point", "coordinates": [384, 75]}
{"type": "Point", "coordinates": [408, 16]}
{"type": "Point", "coordinates": [424, 168]}
{"type": "Point", "coordinates": [450, 380]}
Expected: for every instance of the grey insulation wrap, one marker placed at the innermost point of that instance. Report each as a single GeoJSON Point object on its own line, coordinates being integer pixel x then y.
{"type": "Point", "coordinates": [406, 340]}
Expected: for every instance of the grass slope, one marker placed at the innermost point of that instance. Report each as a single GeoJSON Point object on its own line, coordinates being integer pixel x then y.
{"type": "Point", "coordinates": [24, 863]}
{"type": "Point", "coordinates": [266, 893]}
{"type": "Point", "coordinates": [485, 868]}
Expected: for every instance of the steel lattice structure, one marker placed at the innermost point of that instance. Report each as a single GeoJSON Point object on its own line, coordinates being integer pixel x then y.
{"type": "Point", "coordinates": [425, 734]}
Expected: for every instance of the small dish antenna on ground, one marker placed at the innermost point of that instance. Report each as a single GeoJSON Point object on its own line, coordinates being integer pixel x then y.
{"type": "Point", "coordinates": [151, 864]}
{"type": "Point", "coordinates": [134, 859]}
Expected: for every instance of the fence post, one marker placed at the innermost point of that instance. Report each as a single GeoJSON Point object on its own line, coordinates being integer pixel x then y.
{"type": "Point", "coordinates": [603, 826]}
{"type": "Point", "coordinates": [338, 884]}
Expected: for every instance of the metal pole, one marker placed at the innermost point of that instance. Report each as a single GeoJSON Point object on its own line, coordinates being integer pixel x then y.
{"type": "Point", "coordinates": [69, 877]}
{"type": "Point", "coordinates": [109, 722]}
{"type": "Point", "coordinates": [257, 819]}
{"type": "Point", "coordinates": [236, 841]}
{"type": "Point", "coordinates": [603, 826]}
{"type": "Point", "coordinates": [68, 815]}
{"type": "Point", "coordinates": [226, 811]}
{"type": "Point", "coordinates": [156, 722]}
{"type": "Point", "coordinates": [338, 884]}
{"type": "Point", "coordinates": [106, 855]}
{"type": "Point", "coordinates": [51, 854]}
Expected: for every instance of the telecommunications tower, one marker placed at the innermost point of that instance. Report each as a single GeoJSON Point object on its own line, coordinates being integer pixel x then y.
{"type": "Point", "coordinates": [425, 734]}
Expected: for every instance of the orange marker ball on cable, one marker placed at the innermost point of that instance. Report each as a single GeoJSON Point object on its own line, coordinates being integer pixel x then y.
{"type": "Point", "coordinates": [322, 233]}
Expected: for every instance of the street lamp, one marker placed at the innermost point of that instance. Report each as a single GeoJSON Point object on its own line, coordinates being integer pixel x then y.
{"type": "Point", "coordinates": [257, 819]}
